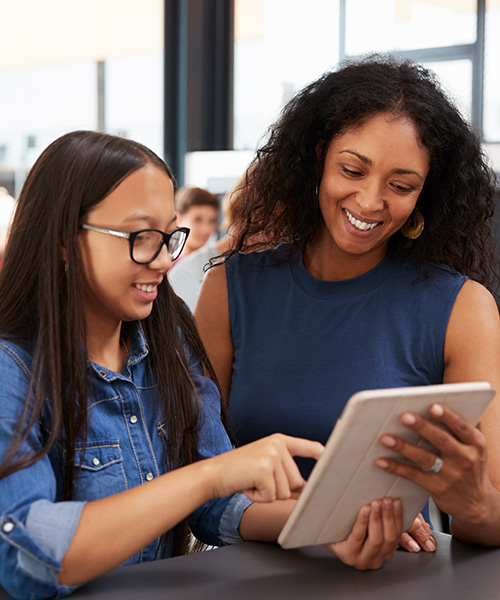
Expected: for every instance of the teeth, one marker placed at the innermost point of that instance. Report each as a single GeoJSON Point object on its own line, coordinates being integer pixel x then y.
{"type": "Point", "coordinates": [145, 288]}
{"type": "Point", "coordinates": [359, 224]}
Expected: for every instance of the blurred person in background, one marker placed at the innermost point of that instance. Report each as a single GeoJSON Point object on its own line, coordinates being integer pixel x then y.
{"type": "Point", "coordinates": [186, 275]}
{"type": "Point", "coordinates": [197, 209]}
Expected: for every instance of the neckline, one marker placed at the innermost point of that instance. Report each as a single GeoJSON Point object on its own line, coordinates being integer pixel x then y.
{"type": "Point", "coordinates": [344, 289]}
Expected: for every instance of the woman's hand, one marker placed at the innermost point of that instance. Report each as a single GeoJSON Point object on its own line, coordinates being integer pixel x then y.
{"type": "Point", "coordinates": [375, 535]}
{"type": "Point", "coordinates": [461, 485]}
{"type": "Point", "coordinates": [263, 470]}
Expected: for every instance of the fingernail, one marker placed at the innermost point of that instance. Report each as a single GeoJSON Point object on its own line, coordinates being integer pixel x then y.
{"type": "Point", "coordinates": [376, 506]}
{"type": "Point", "coordinates": [408, 419]}
{"type": "Point", "coordinates": [414, 547]}
{"type": "Point", "coordinates": [387, 504]}
{"type": "Point", "coordinates": [430, 545]}
{"type": "Point", "coordinates": [388, 441]}
{"type": "Point", "coordinates": [382, 463]}
{"type": "Point", "coordinates": [437, 410]}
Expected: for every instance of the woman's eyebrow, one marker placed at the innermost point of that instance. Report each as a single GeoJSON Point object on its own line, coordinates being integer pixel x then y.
{"type": "Point", "coordinates": [361, 157]}
{"type": "Point", "coordinates": [367, 161]}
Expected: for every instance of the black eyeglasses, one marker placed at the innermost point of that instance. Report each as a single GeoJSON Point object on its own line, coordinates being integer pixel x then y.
{"type": "Point", "coordinates": [146, 244]}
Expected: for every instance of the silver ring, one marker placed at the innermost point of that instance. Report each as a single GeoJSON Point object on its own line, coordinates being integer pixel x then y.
{"type": "Point", "coordinates": [436, 467]}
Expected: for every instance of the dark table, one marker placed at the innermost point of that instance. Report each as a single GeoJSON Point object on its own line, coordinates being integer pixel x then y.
{"type": "Point", "coordinates": [255, 571]}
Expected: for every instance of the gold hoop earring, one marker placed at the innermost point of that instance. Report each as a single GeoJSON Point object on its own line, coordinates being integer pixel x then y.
{"type": "Point", "coordinates": [413, 226]}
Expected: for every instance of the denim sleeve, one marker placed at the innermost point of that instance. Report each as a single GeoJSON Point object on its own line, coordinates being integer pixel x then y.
{"type": "Point", "coordinates": [216, 522]}
{"type": "Point", "coordinates": [35, 530]}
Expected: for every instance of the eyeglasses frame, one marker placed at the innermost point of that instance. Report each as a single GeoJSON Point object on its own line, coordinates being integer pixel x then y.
{"type": "Point", "coordinates": [131, 236]}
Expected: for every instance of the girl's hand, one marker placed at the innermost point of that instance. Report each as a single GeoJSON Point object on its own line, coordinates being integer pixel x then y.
{"type": "Point", "coordinates": [418, 537]}
{"type": "Point", "coordinates": [263, 470]}
{"type": "Point", "coordinates": [461, 484]}
{"type": "Point", "coordinates": [375, 535]}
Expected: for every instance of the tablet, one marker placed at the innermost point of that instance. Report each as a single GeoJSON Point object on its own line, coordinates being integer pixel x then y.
{"type": "Point", "coordinates": [345, 477]}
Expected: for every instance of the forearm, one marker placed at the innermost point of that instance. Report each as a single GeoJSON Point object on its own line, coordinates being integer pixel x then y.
{"type": "Point", "coordinates": [484, 526]}
{"type": "Point", "coordinates": [113, 529]}
{"type": "Point", "coordinates": [264, 522]}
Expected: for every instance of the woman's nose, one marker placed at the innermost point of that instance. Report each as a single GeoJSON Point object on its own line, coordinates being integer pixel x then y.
{"type": "Point", "coordinates": [371, 198]}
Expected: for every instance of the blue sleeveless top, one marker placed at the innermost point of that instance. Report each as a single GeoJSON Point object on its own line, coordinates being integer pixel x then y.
{"type": "Point", "coordinates": [303, 346]}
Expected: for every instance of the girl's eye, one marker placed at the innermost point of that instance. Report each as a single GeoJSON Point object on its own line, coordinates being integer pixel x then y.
{"type": "Point", "coordinates": [351, 172]}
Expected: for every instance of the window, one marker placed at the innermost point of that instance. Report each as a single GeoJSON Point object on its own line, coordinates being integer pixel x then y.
{"type": "Point", "coordinates": [68, 64]}
{"type": "Point", "coordinates": [280, 46]}
{"type": "Point", "coordinates": [491, 115]}
{"type": "Point", "coordinates": [408, 24]}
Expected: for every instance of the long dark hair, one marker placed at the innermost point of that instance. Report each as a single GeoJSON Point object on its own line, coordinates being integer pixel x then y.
{"type": "Point", "coordinates": [280, 200]}
{"type": "Point", "coordinates": [41, 303]}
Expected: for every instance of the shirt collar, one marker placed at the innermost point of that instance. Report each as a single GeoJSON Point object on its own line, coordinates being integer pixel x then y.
{"type": "Point", "coordinates": [138, 351]}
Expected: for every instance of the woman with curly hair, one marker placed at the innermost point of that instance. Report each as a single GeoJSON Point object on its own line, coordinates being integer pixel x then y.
{"type": "Point", "coordinates": [374, 195]}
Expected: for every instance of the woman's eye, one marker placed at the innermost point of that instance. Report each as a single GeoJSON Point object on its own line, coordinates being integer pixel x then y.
{"type": "Point", "coordinates": [351, 172]}
{"type": "Point", "coordinates": [404, 189]}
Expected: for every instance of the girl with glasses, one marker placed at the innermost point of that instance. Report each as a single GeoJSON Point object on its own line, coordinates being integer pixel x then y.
{"type": "Point", "coordinates": [375, 197]}
{"type": "Point", "coordinates": [108, 400]}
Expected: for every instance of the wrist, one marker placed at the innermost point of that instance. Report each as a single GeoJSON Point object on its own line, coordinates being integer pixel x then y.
{"type": "Point", "coordinates": [481, 522]}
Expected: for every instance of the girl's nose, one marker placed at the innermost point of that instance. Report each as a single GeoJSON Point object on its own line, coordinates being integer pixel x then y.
{"type": "Point", "coordinates": [163, 261]}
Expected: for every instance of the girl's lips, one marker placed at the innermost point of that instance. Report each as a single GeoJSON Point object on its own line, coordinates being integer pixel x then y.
{"type": "Point", "coordinates": [147, 291]}
{"type": "Point", "coordinates": [146, 287]}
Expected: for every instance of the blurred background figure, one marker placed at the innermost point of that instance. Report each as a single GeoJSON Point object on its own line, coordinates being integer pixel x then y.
{"type": "Point", "coordinates": [197, 209]}
{"type": "Point", "coordinates": [7, 206]}
{"type": "Point", "coordinates": [187, 274]}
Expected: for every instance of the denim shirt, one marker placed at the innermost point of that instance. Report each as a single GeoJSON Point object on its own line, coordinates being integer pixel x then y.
{"type": "Point", "coordinates": [125, 448]}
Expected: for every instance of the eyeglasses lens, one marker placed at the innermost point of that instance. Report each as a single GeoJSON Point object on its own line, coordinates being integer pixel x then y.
{"type": "Point", "coordinates": [148, 243]}
{"type": "Point", "coordinates": [176, 243]}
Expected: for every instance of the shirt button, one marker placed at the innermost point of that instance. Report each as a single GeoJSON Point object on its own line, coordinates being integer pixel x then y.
{"type": "Point", "coordinates": [149, 476]}
{"type": "Point", "coordinates": [133, 419]}
{"type": "Point", "coordinates": [102, 374]}
{"type": "Point", "coordinates": [95, 461]}
{"type": "Point", "coordinates": [8, 527]}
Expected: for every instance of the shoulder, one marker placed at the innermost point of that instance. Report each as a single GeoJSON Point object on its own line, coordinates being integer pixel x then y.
{"type": "Point", "coordinates": [244, 270]}
{"type": "Point", "coordinates": [15, 373]}
{"type": "Point", "coordinates": [194, 263]}
{"type": "Point", "coordinates": [428, 271]}
{"type": "Point", "coordinates": [474, 319]}
{"type": "Point", "coordinates": [270, 256]}
{"type": "Point", "coordinates": [433, 280]}
{"type": "Point", "coordinates": [242, 263]}
{"type": "Point", "coordinates": [476, 301]}
{"type": "Point", "coordinates": [14, 357]}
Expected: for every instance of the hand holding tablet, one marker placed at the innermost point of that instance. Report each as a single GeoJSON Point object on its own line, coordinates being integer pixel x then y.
{"type": "Point", "coordinates": [345, 477]}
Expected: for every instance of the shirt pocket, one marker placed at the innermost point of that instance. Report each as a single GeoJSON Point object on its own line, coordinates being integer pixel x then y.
{"type": "Point", "coordinates": [99, 470]}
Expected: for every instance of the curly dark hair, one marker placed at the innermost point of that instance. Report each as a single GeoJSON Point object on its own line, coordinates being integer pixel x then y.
{"type": "Point", "coordinates": [457, 201]}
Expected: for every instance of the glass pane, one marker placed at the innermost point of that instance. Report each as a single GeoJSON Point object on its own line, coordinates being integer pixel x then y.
{"type": "Point", "coordinates": [280, 46]}
{"type": "Point", "coordinates": [456, 78]}
{"type": "Point", "coordinates": [408, 24]}
{"type": "Point", "coordinates": [134, 98]}
{"type": "Point", "coordinates": [40, 103]}
{"type": "Point", "coordinates": [491, 115]}
{"type": "Point", "coordinates": [49, 56]}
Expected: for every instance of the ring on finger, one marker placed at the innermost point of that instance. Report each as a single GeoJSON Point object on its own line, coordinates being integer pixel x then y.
{"type": "Point", "coordinates": [436, 467]}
